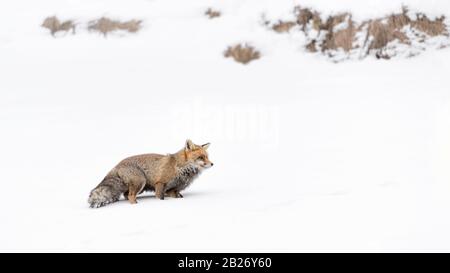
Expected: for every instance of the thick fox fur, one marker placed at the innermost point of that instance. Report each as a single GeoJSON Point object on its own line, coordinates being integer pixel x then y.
{"type": "Point", "coordinates": [167, 175]}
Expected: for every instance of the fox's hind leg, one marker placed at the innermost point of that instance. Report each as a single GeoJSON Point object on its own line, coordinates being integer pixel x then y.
{"type": "Point", "coordinates": [134, 180]}
{"type": "Point", "coordinates": [135, 186]}
{"type": "Point", "coordinates": [134, 189]}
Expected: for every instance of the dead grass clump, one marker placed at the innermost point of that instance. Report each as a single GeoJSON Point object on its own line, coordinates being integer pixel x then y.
{"type": "Point", "coordinates": [398, 21]}
{"type": "Point", "coordinates": [344, 38]}
{"type": "Point", "coordinates": [382, 33]}
{"type": "Point", "coordinates": [212, 13]}
{"type": "Point", "coordinates": [54, 25]}
{"type": "Point", "coordinates": [311, 46]}
{"type": "Point", "coordinates": [106, 25]}
{"type": "Point", "coordinates": [305, 15]}
{"type": "Point", "coordinates": [242, 54]}
{"type": "Point", "coordinates": [334, 20]}
{"type": "Point", "coordinates": [431, 27]}
{"type": "Point", "coordinates": [341, 32]}
{"type": "Point", "coordinates": [281, 26]}
{"type": "Point", "coordinates": [339, 38]}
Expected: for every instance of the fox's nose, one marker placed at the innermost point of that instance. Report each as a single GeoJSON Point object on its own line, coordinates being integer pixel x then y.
{"type": "Point", "coordinates": [212, 164]}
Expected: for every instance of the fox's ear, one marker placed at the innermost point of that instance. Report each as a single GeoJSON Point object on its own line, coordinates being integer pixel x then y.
{"type": "Point", "coordinates": [206, 146]}
{"type": "Point", "coordinates": [189, 145]}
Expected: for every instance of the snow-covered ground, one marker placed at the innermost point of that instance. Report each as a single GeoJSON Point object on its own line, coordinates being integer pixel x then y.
{"type": "Point", "coordinates": [308, 155]}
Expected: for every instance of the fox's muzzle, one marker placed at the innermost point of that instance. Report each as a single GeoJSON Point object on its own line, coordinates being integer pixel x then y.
{"type": "Point", "coordinates": [208, 165]}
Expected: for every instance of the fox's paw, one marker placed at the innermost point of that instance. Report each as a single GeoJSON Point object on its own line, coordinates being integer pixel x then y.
{"type": "Point", "coordinates": [174, 194]}
{"type": "Point", "coordinates": [178, 195]}
{"type": "Point", "coordinates": [132, 198]}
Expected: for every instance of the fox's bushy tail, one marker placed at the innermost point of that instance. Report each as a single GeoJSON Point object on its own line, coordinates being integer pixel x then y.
{"type": "Point", "coordinates": [108, 191]}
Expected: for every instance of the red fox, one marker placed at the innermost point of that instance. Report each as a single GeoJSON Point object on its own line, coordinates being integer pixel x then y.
{"type": "Point", "coordinates": [167, 175]}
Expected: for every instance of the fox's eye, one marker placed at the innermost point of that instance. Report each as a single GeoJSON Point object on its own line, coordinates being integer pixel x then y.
{"type": "Point", "coordinates": [201, 157]}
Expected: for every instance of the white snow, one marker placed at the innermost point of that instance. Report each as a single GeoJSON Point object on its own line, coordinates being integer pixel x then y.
{"type": "Point", "coordinates": [308, 155]}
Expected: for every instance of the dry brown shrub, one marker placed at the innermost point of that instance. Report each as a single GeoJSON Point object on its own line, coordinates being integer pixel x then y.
{"type": "Point", "coordinates": [335, 20]}
{"type": "Point", "coordinates": [381, 34]}
{"type": "Point", "coordinates": [399, 20]}
{"type": "Point", "coordinates": [281, 26]}
{"type": "Point", "coordinates": [212, 13]}
{"type": "Point", "coordinates": [54, 25]}
{"type": "Point", "coordinates": [311, 46]}
{"type": "Point", "coordinates": [242, 54]}
{"type": "Point", "coordinates": [106, 25]}
{"type": "Point", "coordinates": [305, 15]}
{"type": "Point", "coordinates": [431, 27]}
{"type": "Point", "coordinates": [342, 38]}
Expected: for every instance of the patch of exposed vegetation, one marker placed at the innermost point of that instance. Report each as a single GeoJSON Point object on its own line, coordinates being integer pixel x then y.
{"type": "Point", "coordinates": [55, 25]}
{"type": "Point", "coordinates": [383, 37]}
{"type": "Point", "coordinates": [431, 27]}
{"type": "Point", "coordinates": [212, 13]}
{"type": "Point", "coordinates": [242, 53]}
{"type": "Point", "coordinates": [282, 26]}
{"type": "Point", "coordinates": [305, 16]}
{"type": "Point", "coordinates": [105, 25]}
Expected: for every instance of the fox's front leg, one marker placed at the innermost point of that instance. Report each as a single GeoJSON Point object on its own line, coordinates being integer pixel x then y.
{"type": "Point", "coordinates": [174, 194]}
{"type": "Point", "coordinates": [159, 190]}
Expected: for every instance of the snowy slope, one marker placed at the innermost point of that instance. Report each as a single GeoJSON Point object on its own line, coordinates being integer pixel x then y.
{"type": "Point", "coordinates": [308, 155]}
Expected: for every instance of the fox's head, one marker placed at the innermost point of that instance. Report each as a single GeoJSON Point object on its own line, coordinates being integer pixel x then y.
{"type": "Point", "coordinates": [197, 155]}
